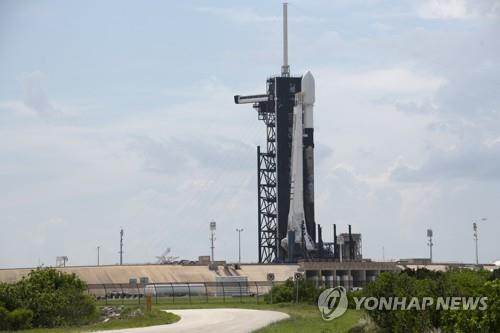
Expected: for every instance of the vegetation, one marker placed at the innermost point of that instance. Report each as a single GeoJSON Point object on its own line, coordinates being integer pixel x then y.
{"type": "Point", "coordinates": [287, 292]}
{"type": "Point", "coordinates": [424, 283]}
{"type": "Point", "coordinates": [45, 298]}
{"type": "Point", "coordinates": [155, 317]}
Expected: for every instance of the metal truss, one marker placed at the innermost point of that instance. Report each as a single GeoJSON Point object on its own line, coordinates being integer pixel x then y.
{"type": "Point", "coordinates": [267, 187]}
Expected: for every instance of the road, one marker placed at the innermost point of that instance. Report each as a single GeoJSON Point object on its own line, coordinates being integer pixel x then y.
{"type": "Point", "coordinates": [213, 321]}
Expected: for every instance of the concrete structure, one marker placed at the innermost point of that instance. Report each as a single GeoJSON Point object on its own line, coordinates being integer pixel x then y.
{"type": "Point", "coordinates": [444, 266]}
{"type": "Point", "coordinates": [350, 274]}
{"type": "Point", "coordinates": [161, 273]}
{"type": "Point", "coordinates": [357, 272]}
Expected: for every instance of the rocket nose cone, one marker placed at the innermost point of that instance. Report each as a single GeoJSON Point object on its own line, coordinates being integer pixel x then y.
{"type": "Point", "coordinates": [308, 88]}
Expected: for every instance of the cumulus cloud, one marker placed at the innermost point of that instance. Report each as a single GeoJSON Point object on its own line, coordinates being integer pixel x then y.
{"type": "Point", "coordinates": [458, 9]}
{"type": "Point", "coordinates": [471, 162]}
{"type": "Point", "coordinates": [34, 95]}
{"type": "Point", "coordinates": [406, 134]}
{"type": "Point", "coordinates": [176, 155]}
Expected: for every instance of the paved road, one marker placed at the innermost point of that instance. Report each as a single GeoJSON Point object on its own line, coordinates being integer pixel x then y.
{"type": "Point", "coordinates": [213, 321]}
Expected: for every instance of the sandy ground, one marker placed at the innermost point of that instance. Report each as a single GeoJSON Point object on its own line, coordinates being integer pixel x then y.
{"type": "Point", "coordinates": [213, 321]}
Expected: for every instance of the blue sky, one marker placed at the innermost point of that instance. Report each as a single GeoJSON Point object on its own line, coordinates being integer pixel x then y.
{"type": "Point", "coordinates": [120, 113]}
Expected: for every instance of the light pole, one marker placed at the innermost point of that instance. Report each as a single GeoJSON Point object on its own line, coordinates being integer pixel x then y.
{"type": "Point", "coordinates": [212, 238]}
{"type": "Point", "coordinates": [474, 227]}
{"type": "Point", "coordinates": [430, 243]}
{"type": "Point", "coordinates": [98, 253]}
{"type": "Point", "coordinates": [239, 244]}
{"type": "Point", "coordinates": [121, 246]}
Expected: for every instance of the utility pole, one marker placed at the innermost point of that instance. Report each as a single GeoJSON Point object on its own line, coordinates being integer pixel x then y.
{"type": "Point", "coordinates": [121, 246]}
{"type": "Point", "coordinates": [474, 227]}
{"type": "Point", "coordinates": [430, 243]}
{"type": "Point", "coordinates": [239, 244]}
{"type": "Point", "coordinates": [212, 238]}
{"type": "Point", "coordinates": [98, 250]}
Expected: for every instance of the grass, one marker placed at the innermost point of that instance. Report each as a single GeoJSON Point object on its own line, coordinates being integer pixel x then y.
{"type": "Point", "coordinates": [303, 317]}
{"type": "Point", "coordinates": [155, 317]}
{"type": "Point", "coordinates": [308, 319]}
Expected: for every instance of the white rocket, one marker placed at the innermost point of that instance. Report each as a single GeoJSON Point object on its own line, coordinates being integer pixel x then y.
{"type": "Point", "coordinates": [302, 119]}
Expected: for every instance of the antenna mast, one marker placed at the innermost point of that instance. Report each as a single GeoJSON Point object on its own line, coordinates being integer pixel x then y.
{"type": "Point", "coordinates": [121, 246]}
{"type": "Point", "coordinates": [430, 243]}
{"type": "Point", "coordinates": [285, 69]}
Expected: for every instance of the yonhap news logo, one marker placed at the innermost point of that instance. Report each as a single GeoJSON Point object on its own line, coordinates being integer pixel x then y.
{"type": "Point", "coordinates": [332, 303]}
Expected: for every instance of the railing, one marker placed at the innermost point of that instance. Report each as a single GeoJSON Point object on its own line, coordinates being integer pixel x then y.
{"type": "Point", "coordinates": [186, 292]}
{"type": "Point", "coordinates": [200, 292]}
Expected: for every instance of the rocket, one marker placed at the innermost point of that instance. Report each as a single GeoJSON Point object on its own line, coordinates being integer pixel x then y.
{"type": "Point", "coordinates": [285, 181]}
{"type": "Point", "coordinates": [308, 91]}
{"type": "Point", "coordinates": [302, 164]}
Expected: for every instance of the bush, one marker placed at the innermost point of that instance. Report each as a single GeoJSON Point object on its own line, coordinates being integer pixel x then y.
{"type": "Point", "coordinates": [20, 319]}
{"type": "Point", "coordinates": [287, 292]}
{"type": "Point", "coordinates": [424, 283]}
{"type": "Point", "coordinates": [4, 315]}
{"type": "Point", "coordinates": [53, 298]}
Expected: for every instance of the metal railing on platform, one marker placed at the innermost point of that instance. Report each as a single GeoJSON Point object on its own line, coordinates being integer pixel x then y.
{"type": "Point", "coordinates": [200, 292]}
{"type": "Point", "coordinates": [182, 292]}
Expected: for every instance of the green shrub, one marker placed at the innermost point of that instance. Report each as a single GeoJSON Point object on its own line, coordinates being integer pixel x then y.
{"type": "Point", "coordinates": [4, 315]}
{"type": "Point", "coordinates": [53, 297]}
{"type": "Point", "coordinates": [20, 319]}
{"type": "Point", "coordinates": [287, 292]}
{"type": "Point", "coordinates": [9, 296]}
{"type": "Point", "coordinates": [424, 283]}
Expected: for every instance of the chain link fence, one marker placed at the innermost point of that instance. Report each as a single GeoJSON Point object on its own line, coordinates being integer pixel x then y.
{"type": "Point", "coordinates": [186, 292]}
{"type": "Point", "coordinates": [199, 292]}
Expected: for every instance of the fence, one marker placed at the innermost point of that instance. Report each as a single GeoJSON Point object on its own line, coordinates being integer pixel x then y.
{"type": "Point", "coordinates": [200, 292]}
{"type": "Point", "coordinates": [187, 292]}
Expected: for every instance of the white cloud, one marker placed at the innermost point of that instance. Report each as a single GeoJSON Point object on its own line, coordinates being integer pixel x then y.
{"type": "Point", "coordinates": [18, 107]}
{"type": "Point", "coordinates": [35, 100]}
{"type": "Point", "coordinates": [185, 153]}
{"type": "Point", "coordinates": [395, 80]}
{"type": "Point", "coordinates": [246, 15]}
{"type": "Point", "coordinates": [34, 95]}
{"type": "Point", "coordinates": [458, 9]}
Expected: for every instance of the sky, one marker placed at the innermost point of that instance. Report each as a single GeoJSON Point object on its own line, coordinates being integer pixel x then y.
{"type": "Point", "coordinates": [120, 114]}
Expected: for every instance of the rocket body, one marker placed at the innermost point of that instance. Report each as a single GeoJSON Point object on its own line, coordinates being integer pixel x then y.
{"type": "Point", "coordinates": [302, 183]}
{"type": "Point", "coordinates": [308, 91]}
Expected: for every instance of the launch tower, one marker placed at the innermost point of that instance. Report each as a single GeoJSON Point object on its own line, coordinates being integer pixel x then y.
{"type": "Point", "coordinates": [285, 188]}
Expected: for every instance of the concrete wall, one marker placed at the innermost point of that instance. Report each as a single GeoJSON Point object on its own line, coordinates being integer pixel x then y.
{"type": "Point", "coordinates": [161, 273]}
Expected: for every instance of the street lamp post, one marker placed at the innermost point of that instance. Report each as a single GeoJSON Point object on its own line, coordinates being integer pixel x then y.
{"type": "Point", "coordinates": [239, 244]}
{"type": "Point", "coordinates": [430, 243]}
{"type": "Point", "coordinates": [98, 254]}
{"type": "Point", "coordinates": [212, 238]}
{"type": "Point", "coordinates": [474, 227]}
